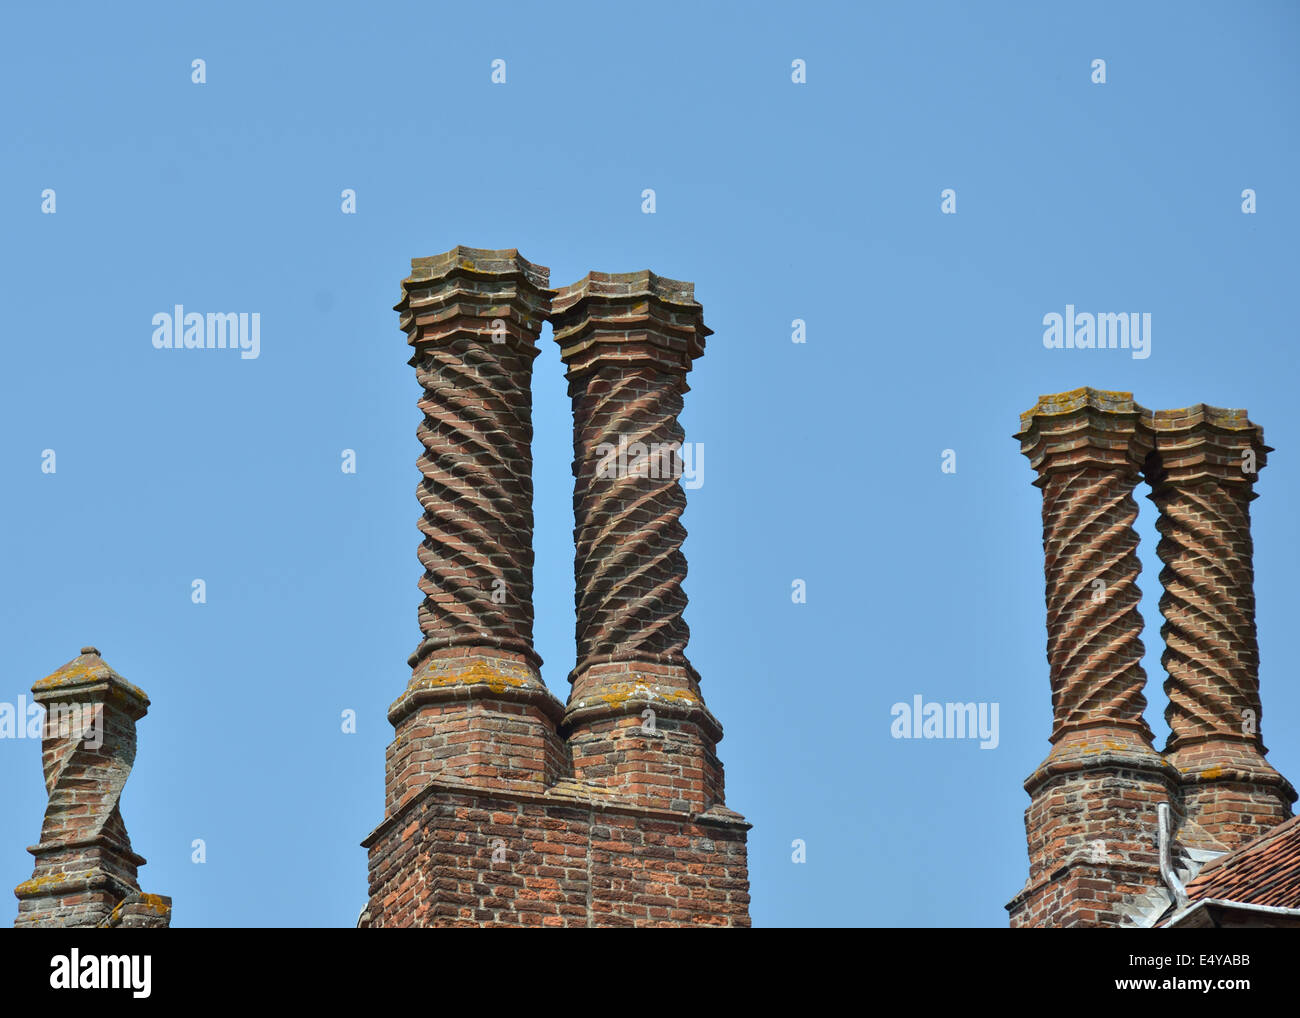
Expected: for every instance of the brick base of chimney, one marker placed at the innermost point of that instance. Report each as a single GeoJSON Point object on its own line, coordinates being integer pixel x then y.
{"type": "Point", "coordinates": [460, 855]}
{"type": "Point", "coordinates": [643, 731]}
{"type": "Point", "coordinates": [494, 819]}
{"type": "Point", "coordinates": [1091, 823]}
{"type": "Point", "coordinates": [474, 714]}
{"type": "Point", "coordinates": [1231, 790]}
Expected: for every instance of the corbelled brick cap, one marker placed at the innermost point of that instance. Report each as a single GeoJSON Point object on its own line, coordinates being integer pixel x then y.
{"type": "Point", "coordinates": [1204, 494]}
{"type": "Point", "coordinates": [473, 317]}
{"type": "Point", "coordinates": [1085, 427]}
{"type": "Point", "coordinates": [84, 862]}
{"type": "Point", "coordinates": [628, 318]}
{"type": "Point", "coordinates": [628, 340]}
{"type": "Point", "coordinates": [1088, 446]}
{"type": "Point", "coordinates": [1204, 442]}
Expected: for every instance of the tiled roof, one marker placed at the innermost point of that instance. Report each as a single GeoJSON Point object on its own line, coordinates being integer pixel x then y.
{"type": "Point", "coordinates": [1265, 871]}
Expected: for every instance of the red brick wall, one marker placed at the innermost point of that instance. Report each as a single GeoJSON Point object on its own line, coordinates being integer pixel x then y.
{"type": "Point", "coordinates": [557, 864]}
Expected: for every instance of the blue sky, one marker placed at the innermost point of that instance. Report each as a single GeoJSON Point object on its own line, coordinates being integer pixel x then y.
{"type": "Point", "coordinates": [818, 201]}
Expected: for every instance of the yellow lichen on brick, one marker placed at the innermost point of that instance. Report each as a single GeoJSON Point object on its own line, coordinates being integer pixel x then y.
{"type": "Point", "coordinates": [622, 692]}
{"type": "Point", "coordinates": [156, 902]}
{"type": "Point", "coordinates": [36, 884]}
{"type": "Point", "coordinates": [476, 674]}
{"type": "Point", "coordinates": [81, 674]}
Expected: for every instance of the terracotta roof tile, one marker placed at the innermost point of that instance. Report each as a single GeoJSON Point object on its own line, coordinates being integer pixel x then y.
{"type": "Point", "coordinates": [1265, 871]}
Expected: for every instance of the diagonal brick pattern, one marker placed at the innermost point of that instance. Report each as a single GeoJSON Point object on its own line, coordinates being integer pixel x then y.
{"type": "Point", "coordinates": [1092, 824]}
{"type": "Point", "coordinates": [628, 341]}
{"type": "Point", "coordinates": [85, 873]}
{"type": "Point", "coordinates": [503, 807]}
{"type": "Point", "coordinates": [1093, 799]}
{"type": "Point", "coordinates": [473, 317]}
{"type": "Point", "coordinates": [1088, 448]}
{"type": "Point", "coordinates": [1202, 479]}
{"type": "Point", "coordinates": [1094, 642]}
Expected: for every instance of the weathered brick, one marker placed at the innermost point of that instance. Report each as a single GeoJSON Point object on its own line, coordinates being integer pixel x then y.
{"type": "Point", "coordinates": [503, 807]}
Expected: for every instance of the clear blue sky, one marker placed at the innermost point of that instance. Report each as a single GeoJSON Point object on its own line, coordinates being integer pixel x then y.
{"type": "Point", "coordinates": [818, 201]}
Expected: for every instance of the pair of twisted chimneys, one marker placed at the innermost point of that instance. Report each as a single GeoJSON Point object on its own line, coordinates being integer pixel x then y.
{"type": "Point", "coordinates": [476, 709]}
{"type": "Point", "coordinates": [1092, 822]}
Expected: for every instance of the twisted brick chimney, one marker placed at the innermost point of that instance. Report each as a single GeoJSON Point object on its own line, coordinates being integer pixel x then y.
{"type": "Point", "coordinates": [85, 872]}
{"type": "Point", "coordinates": [1092, 824]}
{"type": "Point", "coordinates": [475, 707]}
{"type": "Point", "coordinates": [502, 807]}
{"type": "Point", "coordinates": [1087, 823]}
{"type": "Point", "coordinates": [1202, 477]}
{"type": "Point", "coordinates": [628, 341]}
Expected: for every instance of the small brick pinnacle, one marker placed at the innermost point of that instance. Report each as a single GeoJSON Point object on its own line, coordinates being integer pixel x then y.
{"type": "Point", "coordinates": [85, 867]}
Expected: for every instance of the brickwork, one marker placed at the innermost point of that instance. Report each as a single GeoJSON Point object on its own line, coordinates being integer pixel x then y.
{"type": "Point", "coordinates": [628, 341]}
{"type": "Point", "coordinates": [1093, 799]}
{"type": "Point", "coordinates": [85, 873]}
{"type": "Point", "coordinates": [1092, 825]}
{"type": "Point", "coordinates": [465, 857]}
{"type": "Point", "coordinates": [1202, 479]}
{"type": "Point", "coordinates": [472, 318]}
{"type": "Point", "coordinates": [503, 806]}
{"type": "Point", "coordinates": [475, 705]}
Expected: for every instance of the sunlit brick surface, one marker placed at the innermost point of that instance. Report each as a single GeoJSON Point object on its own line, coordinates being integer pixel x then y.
{"type": "Point", "coordinates": [505, 807]}
{"type": "Point", "coordinates": [1092, 823]}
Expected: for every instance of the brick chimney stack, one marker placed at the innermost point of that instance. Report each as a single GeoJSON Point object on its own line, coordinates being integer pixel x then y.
{"type": "Point", "coordinates": [1092, 818]}
{"type": "Point", "coordinates": [85, 872]}
{"type": "Point", "coordinates": [475, 708]}
{"type": "Point", "coordinates": [504, 808]}
{"type": "Point", "coordinates": [636, 721]}
{"type": "Point", "coordinates": [1202, 474]}
{"type": "Point", "coordinates": [1093, 823]}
